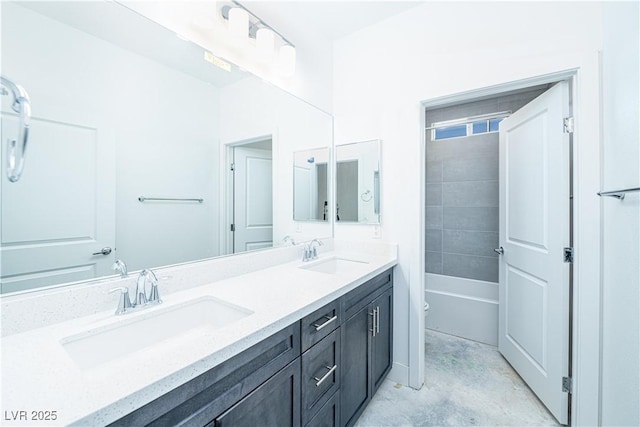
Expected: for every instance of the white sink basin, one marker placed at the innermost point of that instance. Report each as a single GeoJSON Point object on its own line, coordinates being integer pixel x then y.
{"type": "Point", "coordinates": [335, 265]}
{"type": "Point", "coordinates": [191, 319]}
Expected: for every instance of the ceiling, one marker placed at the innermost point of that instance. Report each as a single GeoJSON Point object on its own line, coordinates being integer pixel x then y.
{"type": "Point", "coordinates": [333, 19]}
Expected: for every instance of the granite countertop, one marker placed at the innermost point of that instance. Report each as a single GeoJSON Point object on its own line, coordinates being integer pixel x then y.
{"type": "Point", "coordinates": [39, 375]}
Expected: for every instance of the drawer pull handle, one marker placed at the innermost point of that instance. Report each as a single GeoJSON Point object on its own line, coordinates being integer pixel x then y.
{"type": "Point", "coordinates": [327, 375]}
{"type": "Point", "coordinates": [374, 322]}
{"type": "Point", "coordinates": [329, 320]}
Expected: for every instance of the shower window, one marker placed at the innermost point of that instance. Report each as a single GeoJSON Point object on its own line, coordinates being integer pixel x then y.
{"type": "Point", "coordinates": [467, 126]}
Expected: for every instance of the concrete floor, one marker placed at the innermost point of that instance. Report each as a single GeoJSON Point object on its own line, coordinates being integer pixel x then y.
{"type": "Point", "coordinates": [466, 384]}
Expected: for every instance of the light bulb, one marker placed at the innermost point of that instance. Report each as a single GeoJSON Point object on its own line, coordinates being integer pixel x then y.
{"type": "Point", "coordinates": [238, 22]}
{"type": "Point", "coordinates": [265, 42]}
{"type": "Point", "coordinates": [288, 60]}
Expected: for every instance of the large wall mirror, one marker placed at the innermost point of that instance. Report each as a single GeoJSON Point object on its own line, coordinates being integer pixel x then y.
{"type": "Point", "coordinates": [140, 149]}
{"type": "Point", "coordinates": [311, 185]}
{"type": "Point", "coordinates": [358, 182]}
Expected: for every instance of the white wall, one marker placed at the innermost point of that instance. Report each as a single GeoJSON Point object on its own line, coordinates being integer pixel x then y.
{"type": "Point", "coordinates": [621, 228]}
{"type": "Point", "coordinates": [383, 72]}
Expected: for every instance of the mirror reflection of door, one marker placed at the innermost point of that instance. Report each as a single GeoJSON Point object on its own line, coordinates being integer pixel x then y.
{"type": "Point", "coordinates": [322, 199]}
{"type": "Point", "coordinates": [311, 185]}
{"type": "Point", "coordinates": [252, 197]}
{"type": "Point", "coordinates": [347, 191]}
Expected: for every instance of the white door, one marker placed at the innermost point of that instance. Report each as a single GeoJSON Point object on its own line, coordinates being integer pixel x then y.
{"type": "Point", "coordinates": [253, 199]}
{"type": "Point", "coordinates": [62, 210]}
{"type": "Point", "coordinates": [534, 229]}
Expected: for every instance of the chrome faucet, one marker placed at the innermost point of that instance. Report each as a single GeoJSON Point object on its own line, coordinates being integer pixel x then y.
{"type": "Point", "coordinates": [310, 250]}
{"type": "Point", "coordinates": [121, 267]}
{"type": "Point", "coordinates": [141, 291]}
{"type": "Point", "coordinates": [142, 299]}
{"type": "Point", "coordinates": [153, 297]}
{"type": "Point", "coordinates": [124, 303]}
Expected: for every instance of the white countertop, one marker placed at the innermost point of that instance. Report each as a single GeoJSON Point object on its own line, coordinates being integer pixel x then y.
{"type": "Point", "coordinates": [39, 375]}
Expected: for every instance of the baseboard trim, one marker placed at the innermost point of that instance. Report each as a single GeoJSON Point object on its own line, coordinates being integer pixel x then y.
{"type": "Point", "coordinates": [399, 373]}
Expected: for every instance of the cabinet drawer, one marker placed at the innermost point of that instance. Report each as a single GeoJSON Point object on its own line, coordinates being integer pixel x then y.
{"type": "Point", "coordinates": [365, 293]}
{"type": "Point", "coordinates": [320, 374]}
{"type": "Point", "coordinates": [320, 323]}
{"type": "Point", "coordinates": [329, 414]}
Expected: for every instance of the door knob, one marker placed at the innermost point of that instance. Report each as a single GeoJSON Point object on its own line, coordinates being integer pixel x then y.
{"type": "Point", "coordinates": [104, 251]}
{"type": "Point", "coordinates": [499, 251]}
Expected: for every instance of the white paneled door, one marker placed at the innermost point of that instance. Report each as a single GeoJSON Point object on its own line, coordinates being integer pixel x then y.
{"type": "Point", "coordinates": [253, 199]}
{"type": "Point", "coordinates": [534, 230]}
{"type": "Point", "coordinates": [61, 214]}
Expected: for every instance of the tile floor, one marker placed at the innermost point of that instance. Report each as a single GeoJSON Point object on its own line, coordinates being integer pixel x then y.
{"type": "Point", "coordinates": [466, 384]}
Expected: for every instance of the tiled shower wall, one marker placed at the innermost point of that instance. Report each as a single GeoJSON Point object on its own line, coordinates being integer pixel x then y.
{"type": "Point", "coordinates": [462, 193]}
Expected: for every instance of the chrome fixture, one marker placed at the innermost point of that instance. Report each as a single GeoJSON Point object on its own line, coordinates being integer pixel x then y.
{"type": "Point", "coordinates": [331, 370]}
{"type": "Point", "coordinates": [16, 149]}
{"type": "Point", "coordinates": [143, 199]}
{"type": "Point", "coordinates": [244, 24]}
{"type": "Point", "coordinates": [288, 239]}
{"type": "Point", "coordinates": [121, 267]}
{"type": "Point", "coordinates": [310, 252]}
{"type": "Point", "coordinates": [147, 275]}
{"type": "Point", "coordinates": [142, 298]}
{"type": "Point", "coordinates": [154, 295]}
{"type": "Point", "coordinates": [618, 194]}
{"type": "Point", "coordinates": [104, 251]}
{"type": "Point", "coordinates": [499, 251]}
{"type": "Point", "coordinates": [124, 303]}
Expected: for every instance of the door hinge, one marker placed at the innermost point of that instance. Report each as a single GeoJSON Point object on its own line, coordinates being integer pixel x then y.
{"type": "Point", "coordinates": [567, 385]}
{"type": "Point", "coordinates": [233, 167]}
{"type": "Point", "coordinates": [568, 124]}
{"type": "Point", "coordinates": [568, 254]}
{"type": "Point", "coordinates": [233, 227]}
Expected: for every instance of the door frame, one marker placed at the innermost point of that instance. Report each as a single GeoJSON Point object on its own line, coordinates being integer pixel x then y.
{"type": "Point", "coordinates": [585, 316]}
{"type": "Point", "coordinates": [227, 189]}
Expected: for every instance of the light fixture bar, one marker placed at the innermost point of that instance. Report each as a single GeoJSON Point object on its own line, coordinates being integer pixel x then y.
{"type": "Point", "coordinates": [253, 26]}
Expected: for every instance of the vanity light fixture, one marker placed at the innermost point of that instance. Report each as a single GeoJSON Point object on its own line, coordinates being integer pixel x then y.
{"type": "Point", "coordinates": [288, 60]}
{"type": "Point", "coordinates": [265, 44]}
{"type": "Point", "coordinates": [238, 22]}
{"type": "Point", "coordinates": [244, 25]}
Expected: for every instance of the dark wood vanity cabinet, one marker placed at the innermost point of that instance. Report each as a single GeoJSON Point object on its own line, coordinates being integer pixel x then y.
{"type": "Point", "coordinates": [367, 358]}
{"type": "Point", "coordinates": [319, 371]}
{"type": "Point", "coordinates": [382, 342]}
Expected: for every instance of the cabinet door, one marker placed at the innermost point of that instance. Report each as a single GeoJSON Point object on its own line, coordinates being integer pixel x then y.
{"type": "Point", "coordinates": [356, 359]}
{"type": "Point", "coordinates": [275, 403]}
{"type": "Point", "coordinates": [382, 342]}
